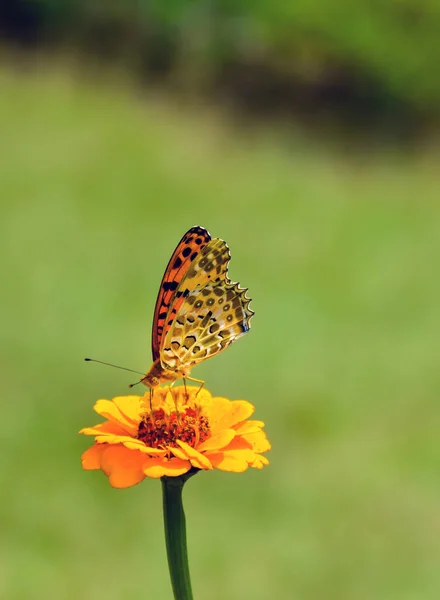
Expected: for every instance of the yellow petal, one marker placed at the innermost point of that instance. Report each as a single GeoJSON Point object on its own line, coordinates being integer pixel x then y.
{"type": "Point", "coordinates": [245, 454]}
{"type": "Point", "coordinates": [130, 406]}
{"type": "Point", "coordinates": [259, 462]}
{"type": "Point", "coordinates": [248, 427]}
{"type": "Point", "coordinates": [225, 417]}
{"type": "Point", "coordinates": [240, 449]}
{"type": "Point", "coordinates": [167, 401]}
{"type": "Point", "coordinates": [176, 467]}
{"type": "Point", "coordinates": [101, 428]}
{"type": "Point", "coordinates": [122, 466]}
{"type": "Point", "coordinates": [178, 452]}
{"type": "Point", "coordinates": [203, 398]}
{"type": "Point", "coordinates": [113, 439]}
{"type": "Point", "coordinates": [139, 445]}
{"type": "Point", "coordinates": [158, 467]}
{"type": "Point", "coordinates": [197, 460]}
{"type": "Point", "coordinates": [258, 441]}
{"type": "Point", "coordinates": [216, 409]}
{"type": "Point", "coordinates": [110, 411]}
{"type": "Point", "coordinates": [154, 467]}
{"type": "Point", "coordinates": [228, 462]}
{"type": "Point", "coordinates": [91, 458]}
{"type": "Point", "coordinates": [217, 441]}
{"type": "Point", "coordinates": [129, 442]}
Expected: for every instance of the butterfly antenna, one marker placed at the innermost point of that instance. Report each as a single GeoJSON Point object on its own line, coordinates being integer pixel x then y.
{"type": "Point", "coordinates": [115, 366]}
{"type": "Point", "coordinates": [133, 384]}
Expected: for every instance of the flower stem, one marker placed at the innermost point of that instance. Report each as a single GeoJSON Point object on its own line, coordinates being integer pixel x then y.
{"type": "Point", "coordinates": [175, 535]}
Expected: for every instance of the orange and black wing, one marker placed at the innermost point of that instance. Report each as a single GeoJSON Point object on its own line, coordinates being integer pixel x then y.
{"type": "Point", "coordinates": [187, 250]}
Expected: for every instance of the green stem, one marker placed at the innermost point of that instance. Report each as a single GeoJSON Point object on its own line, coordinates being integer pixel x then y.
{"type": "Point", "coordinates": [175, 535]}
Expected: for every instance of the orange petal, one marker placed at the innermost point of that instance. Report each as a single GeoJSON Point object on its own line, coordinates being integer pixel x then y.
{"type": "Point", "coordinates": [239, 443]}
{"type": "Point", "coordinates": [224, 417]}
{"type": "Point", "coordinates": [122, 466]}
{"type": "Point", "coordinates": [158, 467]}
{"type": "Point", "coordinates": [225, 461]}
{"type": "Point", "coordinates": [110, 411]}
{"type": "Point", "coordinates": [101, 428]}
{"type": "Point", "coordinates": [91, 458]}
{"type": "Point", "coordinates": [197, 460]}
{"type": "Point", "coordinates": [217, 441]}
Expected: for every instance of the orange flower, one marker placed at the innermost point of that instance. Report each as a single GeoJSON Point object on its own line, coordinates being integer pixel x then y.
{"type": "Point", "coordinates": [184, 430]}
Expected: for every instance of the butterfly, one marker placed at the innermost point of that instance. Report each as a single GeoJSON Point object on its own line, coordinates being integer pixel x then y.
{"type": "Point", "coordinates": [199, 312]}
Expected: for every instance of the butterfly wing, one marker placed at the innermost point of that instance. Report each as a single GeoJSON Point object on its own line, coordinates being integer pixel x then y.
{"type": "Point", "coordinates": [185, 253]}
{"type": "Point", "coordinates": [210, 319]}
{"type": "Point", "coordinates": [211, 264]}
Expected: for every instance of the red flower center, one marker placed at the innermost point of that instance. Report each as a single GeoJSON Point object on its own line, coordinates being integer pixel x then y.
{"type": "Point", "coordinates": [159, 429]}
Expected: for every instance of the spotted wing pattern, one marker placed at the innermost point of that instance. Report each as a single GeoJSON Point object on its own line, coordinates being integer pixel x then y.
{"type": "Point", "coordinates": [189, 247]}
{"type": "Point", "coordinates": [210, 318]}
{"type": "Point", "coordinates": [211, 264]}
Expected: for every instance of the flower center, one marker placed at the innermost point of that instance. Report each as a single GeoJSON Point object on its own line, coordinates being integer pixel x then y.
{"type": "Point", "coordinates": [159, 429]}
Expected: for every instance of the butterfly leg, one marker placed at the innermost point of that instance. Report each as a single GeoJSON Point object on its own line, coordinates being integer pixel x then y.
{"type": "Point", "coordinates": [175, 396]}
{"type": "Point", "coordinates": [184, 385]}
{"type": "Point", "coordinates": [196, 380]}
{"type": "Point", "coordinates": [170, 387]}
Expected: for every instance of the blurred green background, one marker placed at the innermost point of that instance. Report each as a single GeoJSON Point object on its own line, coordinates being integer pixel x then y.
{"type": "Point", "coordinates": [338, 240]}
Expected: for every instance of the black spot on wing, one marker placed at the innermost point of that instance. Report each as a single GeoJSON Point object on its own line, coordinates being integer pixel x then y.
{"type": "Point", "coordinates": [169, 286]}
{"type": "Point", "coordinates": [186, 251]}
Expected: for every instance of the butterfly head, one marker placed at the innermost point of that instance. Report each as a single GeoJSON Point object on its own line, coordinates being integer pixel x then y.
{"type": "Point", "coordinates": [157, 375]}
{"type": "Point", "coordinates": [150, 380]}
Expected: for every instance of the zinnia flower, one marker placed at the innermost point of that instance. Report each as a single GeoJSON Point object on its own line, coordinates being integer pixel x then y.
{"type": "Point", "coordinates": [181, 430]}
